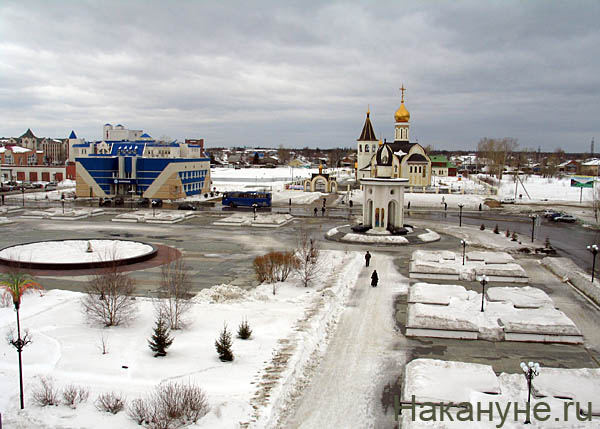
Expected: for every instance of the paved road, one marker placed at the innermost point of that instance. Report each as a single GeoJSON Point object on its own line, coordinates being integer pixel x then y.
{"type": "Point", "coordinates": [568, 239]}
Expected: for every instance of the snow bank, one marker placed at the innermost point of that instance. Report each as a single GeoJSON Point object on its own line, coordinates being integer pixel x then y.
{"type": "Point", "coordinates": [433, 310]}
{"type": "Point", "coordinates": [431, 380]}
{"type": "Point", "coordinates": [568, 271]}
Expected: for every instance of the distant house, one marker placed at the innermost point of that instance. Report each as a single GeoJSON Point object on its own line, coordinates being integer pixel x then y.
{"type": "Point", "coordinates": [568, 167]}
{"type": "Point", "coordinates": [591, 167]}
{"type": "Point", "coordinates": [440, 166]}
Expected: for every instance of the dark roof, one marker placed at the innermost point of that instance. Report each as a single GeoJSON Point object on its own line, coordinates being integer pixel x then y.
{"type": "Point", "coordinates": [385, 155]}
{"type": "Point", "coordinates": [72, 136]}
{"type": "Point", "coordinates": [367, 132]}
{"type": "Point", "coordinates": [403, 146]}
{"type": "Point", "coordinates": [417, 157]}
{"type": "Point", "coordinates": [28, 133]}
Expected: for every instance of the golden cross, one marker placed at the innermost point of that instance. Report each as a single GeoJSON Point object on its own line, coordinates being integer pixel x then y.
{"type": "Point", "coordinates": [402, 89]}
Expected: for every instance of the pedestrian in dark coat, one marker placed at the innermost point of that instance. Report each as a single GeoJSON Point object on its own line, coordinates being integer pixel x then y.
{"type": "Point", "coordinates": [374, 278]}
{"type": "Point", "coordinates": [367, 258]}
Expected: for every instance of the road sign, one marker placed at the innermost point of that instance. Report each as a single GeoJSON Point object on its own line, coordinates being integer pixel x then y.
{"type": "Point", "coordinates": [582, 181]}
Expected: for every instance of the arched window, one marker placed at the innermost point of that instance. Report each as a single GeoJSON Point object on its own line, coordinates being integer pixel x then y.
{"type": "Point", "coordinates": [366, 148]}
{"type": "Point", "coordinates": [360, 148]}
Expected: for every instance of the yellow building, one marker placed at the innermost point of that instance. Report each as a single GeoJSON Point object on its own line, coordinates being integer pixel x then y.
{"type": "Point", "coordinates": [400, 158]}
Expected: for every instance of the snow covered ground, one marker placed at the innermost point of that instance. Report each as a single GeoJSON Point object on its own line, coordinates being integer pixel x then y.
{"type": "Point", "coordinates": [448, 382]}
{"type": "Point", "coordinates": [73, 251]}
{"type": "Point", "coordinates": [432, 264]}
{"type": "Point", "coordinates": [66, 347]}
{"type": "Point", "coordinates": [540, 188]}
{"type": "Point", "coordinates": [520, 314]}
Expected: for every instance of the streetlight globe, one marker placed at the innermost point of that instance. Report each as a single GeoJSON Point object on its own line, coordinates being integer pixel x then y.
{"type": "Point", "coordinates": [531, 364]}
{"type": "Point", "coordinates": [524, 366]}
{"type": "Point", "coordinates": [537, 367]}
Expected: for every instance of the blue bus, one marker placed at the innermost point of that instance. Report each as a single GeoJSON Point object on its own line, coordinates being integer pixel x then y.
{"type": "Point", "coordinates": [247, 199]}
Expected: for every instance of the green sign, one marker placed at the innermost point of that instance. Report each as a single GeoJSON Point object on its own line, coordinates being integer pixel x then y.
{"type": "Point", "coordinates": [582, 181]}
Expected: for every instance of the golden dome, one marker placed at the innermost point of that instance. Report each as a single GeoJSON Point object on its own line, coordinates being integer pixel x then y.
{"type": "Point", "coordinates": [402, 114]}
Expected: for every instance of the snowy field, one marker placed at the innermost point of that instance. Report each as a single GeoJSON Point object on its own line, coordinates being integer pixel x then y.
{"type": "Point", "coordinates": [446, 382]}
{"type": "Point", "coordinates": [68, 348]}
{"type": "Point", "coordinates": [541, 189]}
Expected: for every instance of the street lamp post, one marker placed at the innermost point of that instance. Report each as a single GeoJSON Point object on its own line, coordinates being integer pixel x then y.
{"type": "Point", "coordinates": [594, 250]}
{"type": "Point", "coordinates": [460, 207]}
{"type": "Point", "coordinates": [23, 193]}
{"type": "Point", "coordinates": [531, 370]}
{"type": "Point", "coordinates": [464, 246]}
{"type": "Point", "coordinates": [533, 219]}
{"type": "Point", "coordinates": [254, 207]}
{"type": "Point", "coordinates": [20, 344]}
{"type": "Point", "coordinates": [63, 205]}
{"type": "Point", "coordinates": [484, 281]}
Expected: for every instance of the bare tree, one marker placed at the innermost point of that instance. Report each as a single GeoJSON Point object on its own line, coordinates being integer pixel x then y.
{"type": "Point", "coordinates": [495, 152]}
{"type": "Point", "coordinates": [283, 154]}
{"type": "Point", "coordinates": [308, 254]}
{"type": "Point", "coordinates": [175, 292]}
{"type": "Point", "coordinates": [108, 298]}
{"type": "Point", "coordinates": [335, 157]}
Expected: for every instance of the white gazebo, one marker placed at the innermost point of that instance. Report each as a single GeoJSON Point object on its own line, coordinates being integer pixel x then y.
{"type": "Point", "coordinates": [383, 205]}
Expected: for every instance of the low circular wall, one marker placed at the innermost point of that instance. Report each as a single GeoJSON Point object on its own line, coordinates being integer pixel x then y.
{"type": "Point", "coordinates": [8, 255]}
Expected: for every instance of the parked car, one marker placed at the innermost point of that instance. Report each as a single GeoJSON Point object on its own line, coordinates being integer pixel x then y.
{"type": "Point", "coordinates": [119, 201]}
{"type": "Point", "coordinates": [50, 187]}
{"type": "Point", "coordinates": [565, 218]}
{"type": "Point", "coordinates": [105, 202]}
{"type": "Point", "coordinates": [554, 215]}
{"type": "Point", "coordinates": [550, 213]}
{"type": "Point", "coordinates": [508, 200]}
{"type": "Point", "coordinates": [37, 185]}
{"type": "Point", "coordinates": [186, 206]}
{"type": "Point", "coordinates": [142, 202]}
{"type": "Point", "coordinates": [156, 202]}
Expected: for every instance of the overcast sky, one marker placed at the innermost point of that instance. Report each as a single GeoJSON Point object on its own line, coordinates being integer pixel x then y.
{"type": "Point", "coordinates": [303, 73]}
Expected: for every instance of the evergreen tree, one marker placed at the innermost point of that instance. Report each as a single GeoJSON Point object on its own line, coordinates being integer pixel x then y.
{"type": "Point", "coordinates": [223, 345]}
{"type": "Point", "coordinates": [482, 227]}
{"type": "Point", "coordinates": [507, 233]}
{"type": "Point", "coordinates": [160, 340]}
{"type": "Point", "coordinates": [244, 330]}
{"type": "Point", "coordinates": [515, 237]}
{"type": "Point", "coordinates": [496, 230]}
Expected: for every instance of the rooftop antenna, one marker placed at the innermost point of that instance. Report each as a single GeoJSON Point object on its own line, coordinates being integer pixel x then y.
{"type": "Point", "coordinates": [592, 148]}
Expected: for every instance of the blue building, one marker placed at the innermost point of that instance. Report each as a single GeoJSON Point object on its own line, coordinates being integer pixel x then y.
{"type": "Point", "coordinates": [142, 167]}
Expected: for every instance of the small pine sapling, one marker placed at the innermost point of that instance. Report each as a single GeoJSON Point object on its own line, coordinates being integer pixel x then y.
{"type": "Point", "coordinates": [496, 229]}
{"type": "Point", "coordinates": [482, 227]}
{"type": "Point", "coordinates": [515, 237]}
{"type": "Point", "coordinates": [223, 345]}
{"type": "Point", "coordinates": [547, 244]}
{"type": "Point", "coordinates": [160, 340]}
{"type": "Point", "coordinates": [507, 233]}
{"type": "Point", "coordinates": [244, 330]}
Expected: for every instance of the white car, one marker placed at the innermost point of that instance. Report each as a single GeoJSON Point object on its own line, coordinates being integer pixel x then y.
{"type": "Point", "coordinates": [508, 200]}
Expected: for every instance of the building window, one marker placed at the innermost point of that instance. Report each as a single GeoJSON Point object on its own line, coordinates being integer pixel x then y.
{"type": "Point", "coordinates": [360, 148]}
{"type": "Point", "coordinates": [366, 148]}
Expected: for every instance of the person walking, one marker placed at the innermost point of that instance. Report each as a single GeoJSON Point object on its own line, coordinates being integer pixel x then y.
{"type": "Point", "coordinates": [374, 278]}
{"type": "Point", "coordinates": [367, 258]}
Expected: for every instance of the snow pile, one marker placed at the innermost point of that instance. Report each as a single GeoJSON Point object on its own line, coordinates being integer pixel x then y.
{"type": "Point", "coordinates": [435, 310]}
{"type": "Point", "coordinates": [469, 382]}
{"type": "Point", "coordinates": [568, 270]}
{"type": "Point", "coordinates": [5, 221]}
{"type": "Point", "coordinates": [364, 238]}
{"type": "Point", "coordinates": [429, 236]}
{"type": "Point", "coordinates": [220, 293]}
{"type": "Point", "coordinates": [262, 220]}
{"type": "Point", "coordinates": [154, 216]}
{"type": "Point", "coordinates": [423, 379]}
{"type": "Point", "coordinates": [66, 184]}
{"type": "Point", "coordinates": [520, 297]}
{"type": "Point", "coordinates": [498, 266]}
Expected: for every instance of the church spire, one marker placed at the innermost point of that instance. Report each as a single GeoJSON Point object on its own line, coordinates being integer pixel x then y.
{"type": "Point", "coordinates": [367, 132]}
